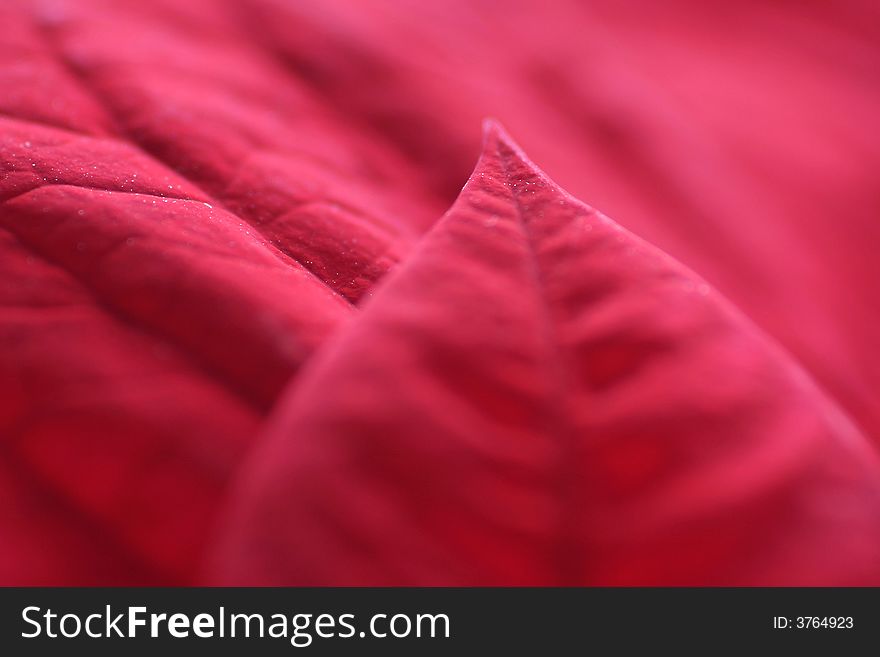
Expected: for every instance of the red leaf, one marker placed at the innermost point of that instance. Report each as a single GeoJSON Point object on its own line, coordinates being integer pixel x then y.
{"type": "Point", "coordinates": [144, 337]}
{"type": "Point", "coordinates": [539, 397]}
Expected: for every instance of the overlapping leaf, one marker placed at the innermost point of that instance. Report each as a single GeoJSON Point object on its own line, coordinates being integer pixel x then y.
{"type": "Point", "coordinates": [539, 397]}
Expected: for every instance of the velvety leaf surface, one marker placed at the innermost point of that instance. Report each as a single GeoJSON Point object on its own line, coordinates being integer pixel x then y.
{"type": "Point", "coordinates": [146, 324]}
{"type": "Point", "coordinates": [145, 340]}
{"type": "Point", "coordinates": [539, 397]}
{"type": "Point", "coordinates": [145, 330]}
{"type": "Point", "coordinates": [195, 195]}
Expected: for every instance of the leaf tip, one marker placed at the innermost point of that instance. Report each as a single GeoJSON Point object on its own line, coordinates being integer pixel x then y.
{"type": "Point", "coordinates": [494, 135]}
{"type": "Point", "coordinates": [491, 128]}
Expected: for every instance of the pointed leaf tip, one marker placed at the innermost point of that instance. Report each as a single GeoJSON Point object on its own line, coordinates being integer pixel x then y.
{"type": "Point", "coordinates": [495, 134]}
{"type": "Point", "coordinates": [491, 128]}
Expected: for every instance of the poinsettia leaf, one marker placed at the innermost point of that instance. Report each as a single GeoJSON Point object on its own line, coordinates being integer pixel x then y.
{"type": "Point", "coordinates": [537, 396]}
{"type": "Point", "coordinates": [145, 331]}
